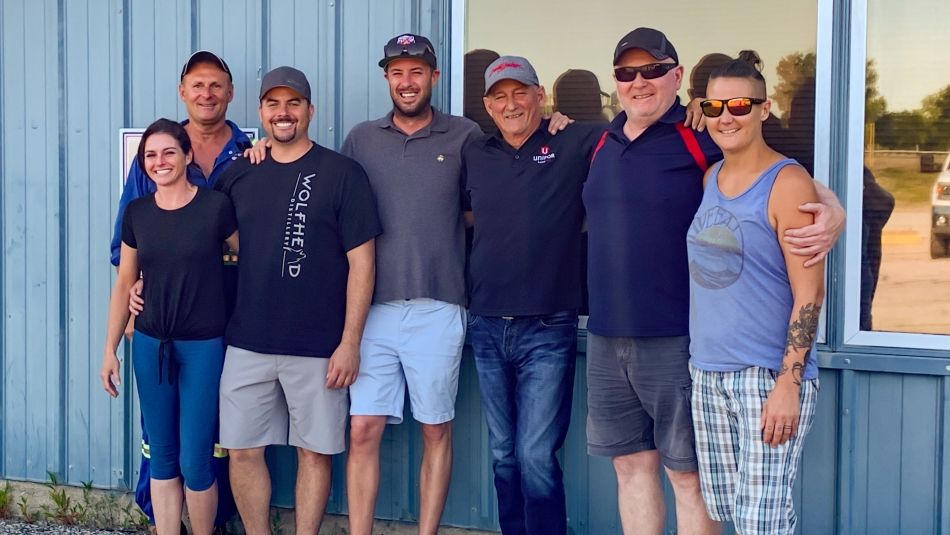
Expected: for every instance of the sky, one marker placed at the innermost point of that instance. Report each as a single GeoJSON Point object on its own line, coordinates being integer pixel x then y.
{"type": "Point", "coordinates": [571, 34]}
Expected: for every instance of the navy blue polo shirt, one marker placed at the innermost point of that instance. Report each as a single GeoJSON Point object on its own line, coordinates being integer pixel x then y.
{"type": "Point", "coordinates": [641, 197]}
{"type": "Point", "coordinates": [526, 250]}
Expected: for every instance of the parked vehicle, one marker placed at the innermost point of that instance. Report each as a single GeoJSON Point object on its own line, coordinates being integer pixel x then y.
{"type": "Point", "coordinates": [940, 212]}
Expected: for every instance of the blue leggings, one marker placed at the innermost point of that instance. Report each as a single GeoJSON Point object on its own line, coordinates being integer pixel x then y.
{"type": "Point", "coordinates": [180, 405]}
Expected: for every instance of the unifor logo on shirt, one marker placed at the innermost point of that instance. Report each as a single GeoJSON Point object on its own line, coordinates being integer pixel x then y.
{"type": "Point", "coordinates": [295, 228]}
{"type": "Point", "coordinates": [545, 156]}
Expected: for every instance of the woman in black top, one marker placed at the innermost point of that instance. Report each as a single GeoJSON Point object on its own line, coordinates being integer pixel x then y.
{"type": "Point", "coordinates": [174, 238]}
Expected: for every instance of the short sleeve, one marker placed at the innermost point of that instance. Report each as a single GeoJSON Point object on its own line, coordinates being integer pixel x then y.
{"type": "Point", "coordinates": [227, 219]}
{"type": "Point", "coordinates": [357, 218]}
{"type": "Point", "coordinates": [128, 232]}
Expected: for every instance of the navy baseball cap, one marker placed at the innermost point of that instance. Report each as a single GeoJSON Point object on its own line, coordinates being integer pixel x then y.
{"type": "Point", "coordinates": [408, 45]}
{"type": "Point", "coordinates": [653, 41]}
{"type": "Point", "coordinates": [204, 56]}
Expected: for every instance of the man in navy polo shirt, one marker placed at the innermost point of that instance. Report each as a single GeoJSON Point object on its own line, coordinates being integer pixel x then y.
{"type": "Point", "coordinates": [206, 88]}
{"type": "Point", "coordinates": [523, 190]}
{"type": "Point", "coordinates": [643, 189]}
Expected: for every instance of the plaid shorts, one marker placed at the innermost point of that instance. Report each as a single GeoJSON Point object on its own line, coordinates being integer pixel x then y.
{"type": "Point", "coordinates": [743, 479]}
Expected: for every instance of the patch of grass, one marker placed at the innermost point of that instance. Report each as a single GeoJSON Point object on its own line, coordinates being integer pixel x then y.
{"type": "Point", "coordinates": [6, 500]}
{"type": "Point", "coordinates": [62, 510]}
{"type": "Point", "coordinates": [26, 513]}
{"type": "Point", "coordinates": [95, 509]}
{"type": "Point", "coordinates": [908, 185]}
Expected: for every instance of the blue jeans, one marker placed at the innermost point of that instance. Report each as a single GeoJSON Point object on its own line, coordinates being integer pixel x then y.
{"type": "Point", "coordinates": [526, 376]}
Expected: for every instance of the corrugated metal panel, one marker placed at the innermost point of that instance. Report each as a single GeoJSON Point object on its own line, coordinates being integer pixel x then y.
{"type": "Point", "coordinates": [95, 426]}
{"type": "Point", "coordinates": [31, 122]}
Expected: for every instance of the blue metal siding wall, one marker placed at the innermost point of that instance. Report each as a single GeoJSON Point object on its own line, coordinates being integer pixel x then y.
{"type": "Point", "coordinates": [91, 37]}
{"type": "Point", "coordinates": [33, 336]}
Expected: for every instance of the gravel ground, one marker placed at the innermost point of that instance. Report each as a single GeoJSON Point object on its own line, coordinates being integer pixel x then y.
{"type": "Point", "coordinates": [9, 527]}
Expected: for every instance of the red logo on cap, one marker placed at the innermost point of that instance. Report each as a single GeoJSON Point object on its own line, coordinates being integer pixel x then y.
{"type": "Point", "coordinates": [502, 66]}
{"type": "Point", "coordinates": [404, 40]}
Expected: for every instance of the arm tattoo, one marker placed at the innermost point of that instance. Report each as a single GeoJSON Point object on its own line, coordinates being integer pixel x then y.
{"type": "Point", "coordinates": [801, 336]}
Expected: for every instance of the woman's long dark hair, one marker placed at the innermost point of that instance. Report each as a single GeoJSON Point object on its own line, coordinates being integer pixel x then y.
{"type": "Point", "coordinates": [163, 126]}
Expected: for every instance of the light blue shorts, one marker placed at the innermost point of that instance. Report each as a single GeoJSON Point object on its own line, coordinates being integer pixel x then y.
{"type": "Point", "coordinates": [415, 343]}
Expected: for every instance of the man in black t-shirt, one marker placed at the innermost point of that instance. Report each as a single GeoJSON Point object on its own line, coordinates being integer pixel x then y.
{"type": "Point", "coordinates": [308, 221]}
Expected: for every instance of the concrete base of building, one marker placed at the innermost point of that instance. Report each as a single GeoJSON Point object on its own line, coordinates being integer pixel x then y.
{"type": "Point", "coordinates": [40, 506]}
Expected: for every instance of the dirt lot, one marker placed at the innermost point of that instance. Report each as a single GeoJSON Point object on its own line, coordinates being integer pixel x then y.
{"type": "Point", "coordinates": [913, 293]}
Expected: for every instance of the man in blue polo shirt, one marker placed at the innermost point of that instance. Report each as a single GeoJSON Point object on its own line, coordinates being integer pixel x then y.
{"type": "Point", "coordinates": [643, 189]}
{"type": "Point", "coordinates": [523, 190]}
{"type": "Point", "coordinates": [206, 89]}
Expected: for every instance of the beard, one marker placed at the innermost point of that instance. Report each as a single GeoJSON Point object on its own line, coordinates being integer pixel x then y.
{"type": "Point", "coordinates": [414, 110]}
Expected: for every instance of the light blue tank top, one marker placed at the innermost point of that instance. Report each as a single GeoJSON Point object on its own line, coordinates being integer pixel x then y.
{"type": "Point", "coordinates": [740, 297]}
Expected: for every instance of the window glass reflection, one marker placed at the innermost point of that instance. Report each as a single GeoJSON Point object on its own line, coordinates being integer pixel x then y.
{"type": "Point", "coordinates": [571, 43]}
{"type": "Point", "coordinates": [905, 262]}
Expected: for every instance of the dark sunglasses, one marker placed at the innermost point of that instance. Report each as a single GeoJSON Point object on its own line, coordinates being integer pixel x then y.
{"type": "Point", "coordinates": [416, 48]}
{"type": "Point", "coordinates": [650, 71]}
{"type": "Point", "coordinates": [736, 106]}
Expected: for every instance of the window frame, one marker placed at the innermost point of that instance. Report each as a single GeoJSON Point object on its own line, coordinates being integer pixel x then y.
{"type": "Point", "coordinates": [852, 335]}
{"type": "Point", "coordinates": [824, 55]}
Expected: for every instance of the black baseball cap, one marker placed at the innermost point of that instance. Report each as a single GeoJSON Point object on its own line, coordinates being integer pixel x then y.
{"type": "Point", "coordinates": [203, 56]}
{"type": "Point", "coordinates": [408, 45]}
{"type": "Point", "coordinates": [653, 41]}
{"type": "Point", "coordinates": [288, 77]}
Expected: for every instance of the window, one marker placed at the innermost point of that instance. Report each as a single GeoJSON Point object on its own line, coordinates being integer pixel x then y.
{"type": "Point", "coordinates": [898, 250]}
{"type": "Point", "coordinates": [571, 44]}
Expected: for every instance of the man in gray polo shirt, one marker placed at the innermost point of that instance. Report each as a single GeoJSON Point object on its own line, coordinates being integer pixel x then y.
{"type": "Point", "coordinates": [416, 326]}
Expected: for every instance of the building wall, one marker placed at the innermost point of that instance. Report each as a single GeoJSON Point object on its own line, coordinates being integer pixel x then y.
{"type": "Point", "coordinates": [73, 73]}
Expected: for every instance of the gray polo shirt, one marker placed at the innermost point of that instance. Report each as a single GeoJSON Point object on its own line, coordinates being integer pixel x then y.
{"type": "Point", "coordinates": [416, 179]}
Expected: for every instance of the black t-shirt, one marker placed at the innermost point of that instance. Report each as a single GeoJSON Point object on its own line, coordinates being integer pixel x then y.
{"type": "Point", "coordinates": [297, 221]}
{"type": "Point", "coordinates": [526, 252]}
{"type": "Point", "coordinates": [179, 253]}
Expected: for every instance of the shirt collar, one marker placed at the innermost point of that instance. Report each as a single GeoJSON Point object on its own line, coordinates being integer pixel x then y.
{"type": "Point", "coordinates": [675, 114]}
{"type": "Point", "coordinates": [439, 123]}
{"type": "Point", "coordinates": [498, 140]}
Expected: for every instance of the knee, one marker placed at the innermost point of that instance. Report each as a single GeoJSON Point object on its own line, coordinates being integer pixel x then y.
{"type": "Point", "coordinates": [366, 432]}
{"type": "Point", "coordinates": [437, 433]}
{"type": "Point", "coordinates": [683, 481]}
{"type": "Point", "coordinates": [643, 464]}
{"type": "Point", "coordinates": [311, 458]}
{"type": "Point", "coordinates": [163, 462]}
{"type": "Point", "coordinates": [246, 456]}
{"type": "Point", "coordinates": [197, 472]}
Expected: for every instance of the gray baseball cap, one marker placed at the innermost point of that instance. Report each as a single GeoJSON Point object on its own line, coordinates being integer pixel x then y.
{"type": "Point", "coordinates": [514, 68]}
{"type": "Point", "coordinates": [288, 77]}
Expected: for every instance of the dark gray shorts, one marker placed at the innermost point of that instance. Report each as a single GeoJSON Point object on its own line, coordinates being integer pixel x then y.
{"type": "Point", "coordinates": [638, 398]}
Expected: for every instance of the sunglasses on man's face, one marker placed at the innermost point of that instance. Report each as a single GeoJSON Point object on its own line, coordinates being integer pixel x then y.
{"type": "Point", "coordinates": [737, 106]}
{"type": "Point", "coordinates": [650, 71]}
{"type": "Point", "coordinates": [415, 48]}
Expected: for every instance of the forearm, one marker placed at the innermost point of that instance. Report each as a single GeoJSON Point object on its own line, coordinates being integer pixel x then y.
{"type": "Point", "coordinates": [802, 330]}
{"type": "Point", "coordinates": [359, 293]}
{"type": "Point", "coordinates": [826, 196]}
{"type": "Point", "coordinates": [118, 313]}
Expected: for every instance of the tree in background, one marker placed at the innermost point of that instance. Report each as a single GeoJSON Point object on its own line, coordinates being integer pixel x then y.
{"type": "Point", "coordinates": [936, 109]}
{"type": "Point", "coordinates": [799, 68]}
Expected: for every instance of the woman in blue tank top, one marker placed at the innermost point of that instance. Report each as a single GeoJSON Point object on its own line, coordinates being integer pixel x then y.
{"type": "Point", "coordinates": [174, 237]}
{"type": "Point", "coordinates": [753, 314]}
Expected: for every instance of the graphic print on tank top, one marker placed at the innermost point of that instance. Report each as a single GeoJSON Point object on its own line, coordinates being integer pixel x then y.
{"type": "Point", "coordinates": [295, 227]}
{"type": "Point", "coordinates": [716, 238]}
